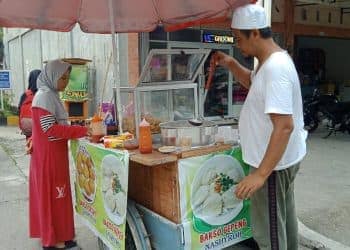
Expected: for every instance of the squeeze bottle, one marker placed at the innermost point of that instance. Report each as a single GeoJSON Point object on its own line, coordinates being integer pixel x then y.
{"type": "Point", "coordinates": [145, 137]}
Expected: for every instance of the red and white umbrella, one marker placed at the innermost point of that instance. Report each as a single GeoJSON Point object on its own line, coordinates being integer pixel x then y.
{"type": "Point", "coordinates": [93, 16]}
{"type": "Point", "coordinates": [111, 16]}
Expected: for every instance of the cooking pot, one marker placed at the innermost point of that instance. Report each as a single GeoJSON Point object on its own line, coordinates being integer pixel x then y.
{"type": "Point", "coordinates": [183, 134]}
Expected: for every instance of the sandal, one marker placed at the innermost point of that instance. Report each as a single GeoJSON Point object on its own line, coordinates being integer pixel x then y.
{"type": "Point", "coordinates": [72, 245]}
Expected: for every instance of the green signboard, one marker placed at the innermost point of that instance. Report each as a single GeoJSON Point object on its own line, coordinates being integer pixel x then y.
{"type": "Point", "coordinates": [212, 216]}
{"type": "Point", "coordinates": [101, 188]}
{"type": "Point", "coordinates": [77, 88]}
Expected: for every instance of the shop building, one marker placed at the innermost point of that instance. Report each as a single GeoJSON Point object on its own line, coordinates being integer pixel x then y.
{"type": "Point", "coordinates": [314, 32]}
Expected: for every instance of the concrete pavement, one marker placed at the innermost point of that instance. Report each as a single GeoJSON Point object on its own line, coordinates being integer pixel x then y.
{"type": "Point", "coordinates": [14, 170]}
{"type": "Point", "coordinates": [323, 187]}
{"type": "Point", "coordinates": [322, 195]}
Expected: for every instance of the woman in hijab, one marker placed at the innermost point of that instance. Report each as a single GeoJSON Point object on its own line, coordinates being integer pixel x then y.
{"type": "Point", "coordinates": [33, 75]}
{"type": "Point", "coordinates": [50, 199]}
{"type": "Point", "coordinates": [25, 104]}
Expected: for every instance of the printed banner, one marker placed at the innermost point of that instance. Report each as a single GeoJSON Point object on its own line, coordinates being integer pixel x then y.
{"type": "Point", "coordinates": [101, 188]}
{"type": "Point", "coordinates": [77, 88]}
{"type": "Point", "coordinates": [212, 216]}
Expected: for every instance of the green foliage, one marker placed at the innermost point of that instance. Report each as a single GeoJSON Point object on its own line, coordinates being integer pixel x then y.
{"type": "Point", "coordinates": [9, 109]}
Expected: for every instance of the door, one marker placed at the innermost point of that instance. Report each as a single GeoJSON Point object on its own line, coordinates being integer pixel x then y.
{"type": "Point", "coordinates": [218, 103]}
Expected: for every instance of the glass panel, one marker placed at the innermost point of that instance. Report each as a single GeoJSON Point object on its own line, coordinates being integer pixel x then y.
{"type": "Point", "coordinates": [158, 71]}
{"type": "Point", "coordinates": [154, 105]}
{"type": "Point", "coordinates": [184, 66]}
{"type": "Point", "coordinates": [216, 102]}
{"type": "Point", "coordinates": [239, 93]}
{"type": "Point", "coordinates": [173, 66]}
{"type": "Point", "coordinates": [183, 103]}
{"type": "Point", "coordinates": [128, 108]}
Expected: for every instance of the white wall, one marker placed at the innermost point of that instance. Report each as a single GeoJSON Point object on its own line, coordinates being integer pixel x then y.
{"type": "Point", "coordinates": [27, 49]}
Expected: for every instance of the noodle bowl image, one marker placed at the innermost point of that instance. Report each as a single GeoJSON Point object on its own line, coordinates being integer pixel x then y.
{"type": "Point", "coordinates": [212, 192]}
{"type": "Point", "coordinates": [114, 186]}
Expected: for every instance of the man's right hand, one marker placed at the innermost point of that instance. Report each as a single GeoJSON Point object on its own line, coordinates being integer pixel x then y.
{"type": "Point", "coordinates": [220, 58]}
{"type": "Point", "coordinates": [241, 74]}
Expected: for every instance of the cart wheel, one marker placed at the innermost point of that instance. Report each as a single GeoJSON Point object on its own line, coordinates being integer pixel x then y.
{"type": "Point", "coordinates": [129, 240]}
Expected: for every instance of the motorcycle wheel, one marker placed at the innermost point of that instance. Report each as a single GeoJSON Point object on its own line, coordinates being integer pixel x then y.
{"type": "Point", "coordinates": [312, 126]}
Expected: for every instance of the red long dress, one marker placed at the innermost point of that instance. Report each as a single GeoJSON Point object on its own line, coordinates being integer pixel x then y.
{"type": "Point", "coordinates": [50, 199]}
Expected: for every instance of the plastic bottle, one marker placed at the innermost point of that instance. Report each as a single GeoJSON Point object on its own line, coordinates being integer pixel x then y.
{"type": "Point", "coordinates": [98, 128]}
{"type": "Point", "coordinates": [145, 137]}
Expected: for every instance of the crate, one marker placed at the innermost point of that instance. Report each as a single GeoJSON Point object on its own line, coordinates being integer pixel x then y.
{"type": "Point", "coordinates": [12, 120]}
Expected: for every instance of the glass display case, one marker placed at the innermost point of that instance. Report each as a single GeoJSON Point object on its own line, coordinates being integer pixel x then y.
{"type": "Point", "coordinates": [166, 91]}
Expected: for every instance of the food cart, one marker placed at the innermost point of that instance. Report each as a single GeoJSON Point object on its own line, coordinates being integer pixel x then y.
{"type": "Point", "coordinates": [181, 199]}
{"type": "Point", "coordinates": [170, 213]}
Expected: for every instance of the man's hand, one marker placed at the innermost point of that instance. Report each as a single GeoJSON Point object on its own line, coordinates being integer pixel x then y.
{"type": "Point", "coordinates": [220, 58]}
{"type": "Point", "coordinates": [29, 146]}
{"type": "Point", "coordinates": [241, 74]}
{"type": "Point", "coordinates": [249, 185]}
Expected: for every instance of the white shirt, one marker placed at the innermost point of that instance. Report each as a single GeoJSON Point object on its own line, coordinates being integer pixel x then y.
{"type": "Point", "coordinates": [275, 88]}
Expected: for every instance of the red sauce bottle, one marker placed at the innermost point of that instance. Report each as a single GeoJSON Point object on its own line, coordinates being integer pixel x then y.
{"type": "Point", "coordinates": [145, 138]}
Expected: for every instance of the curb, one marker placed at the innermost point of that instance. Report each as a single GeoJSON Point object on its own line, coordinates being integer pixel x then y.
{"type": "Point", "coordinates": [316, 241]}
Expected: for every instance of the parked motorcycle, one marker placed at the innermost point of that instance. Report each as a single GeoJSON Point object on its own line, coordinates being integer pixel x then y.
{"type": "Point", "coordinates": [338, 117]}
{"type": "Point", "coordinates": [314, 106]}
{"type": "Point", "coordinates": [326, 109]}
{"type": "Point", "coordinates": [310, 109]}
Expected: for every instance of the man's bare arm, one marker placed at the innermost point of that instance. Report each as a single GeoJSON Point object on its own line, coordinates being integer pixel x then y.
{"type": "Point", "coordinates": [282, 128]}
{"type": "Point", "coordinates": [241, 73]}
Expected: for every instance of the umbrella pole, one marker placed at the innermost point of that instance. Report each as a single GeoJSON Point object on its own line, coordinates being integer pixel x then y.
{"type": "Point", "coordinates": [116, 87]}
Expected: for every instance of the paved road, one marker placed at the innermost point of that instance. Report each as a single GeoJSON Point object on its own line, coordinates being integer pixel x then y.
{"type": "Point", "coordinates": [322, 192]}
{"type": "Point", "coordinates": [323, 186]}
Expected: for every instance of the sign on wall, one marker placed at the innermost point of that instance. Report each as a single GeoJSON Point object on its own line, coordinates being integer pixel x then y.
{"type": "Point", "coordinates": [5, 79]}
{"type": "Point", "coordinates": [211, 38]}
{"type": "Point", "coordinates": [77, 88]}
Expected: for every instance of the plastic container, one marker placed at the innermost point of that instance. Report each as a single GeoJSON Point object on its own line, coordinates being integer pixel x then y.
{"type": "Point", "coordinates": [131, 144]}
{"type": "Point", "coordinates": [145, 138]}
{"type": "Point", "coordinates": [98, 129]}
{"type": "Point", "coordinates": [182, 134]}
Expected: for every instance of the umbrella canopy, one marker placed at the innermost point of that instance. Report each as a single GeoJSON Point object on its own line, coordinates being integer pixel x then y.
{"type": "Point", "coordinates": [129, 15]}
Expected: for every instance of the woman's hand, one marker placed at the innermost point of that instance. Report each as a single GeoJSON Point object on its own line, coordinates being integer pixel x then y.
{"type": "Point", "coordinates": [29, 146]}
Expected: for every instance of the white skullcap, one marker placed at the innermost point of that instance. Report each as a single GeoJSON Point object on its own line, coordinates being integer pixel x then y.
{"type": "Point", "coordinates": [249, 17]}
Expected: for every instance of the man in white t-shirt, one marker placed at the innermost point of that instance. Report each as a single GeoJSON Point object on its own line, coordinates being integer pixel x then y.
{"type": "Point", "coordinates": [271, 129]}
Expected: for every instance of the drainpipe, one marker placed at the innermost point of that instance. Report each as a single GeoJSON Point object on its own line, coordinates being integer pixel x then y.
{"type": "Point", "coordinates": [22, 61]}
{"type": "Point", "coordinates": [41, 49]}
{"type": "Point", "coordinates": [71, 44]}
